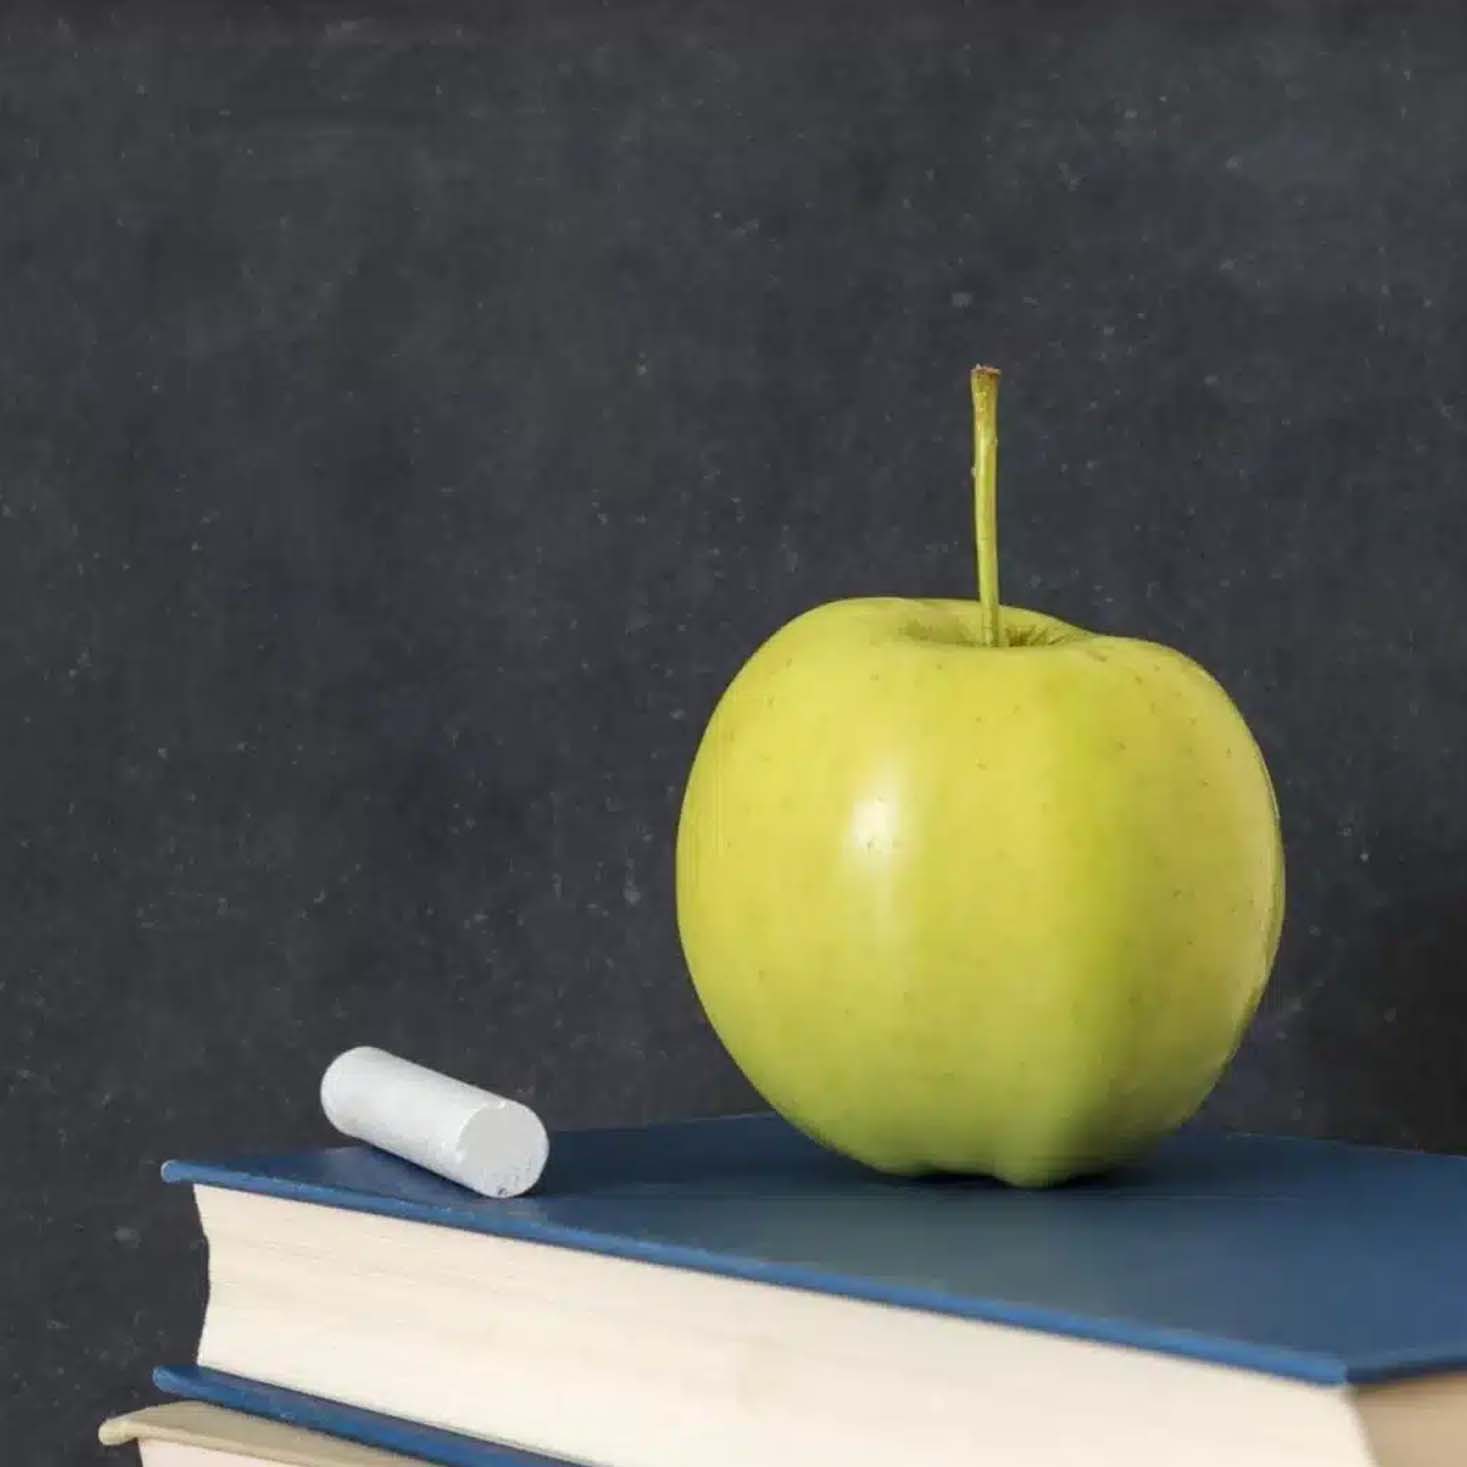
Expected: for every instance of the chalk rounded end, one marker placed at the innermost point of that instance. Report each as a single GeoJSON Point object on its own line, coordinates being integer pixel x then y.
{"type": "Point", "coordinates": [503, 1150]}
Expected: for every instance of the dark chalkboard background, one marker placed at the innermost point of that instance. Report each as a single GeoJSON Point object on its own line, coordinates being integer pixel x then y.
{"type": "Point", "coordinates": [409, 420]}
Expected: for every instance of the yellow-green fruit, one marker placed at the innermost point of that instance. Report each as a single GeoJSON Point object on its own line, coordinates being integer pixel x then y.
{"type": "Point", "coordinates": [982, 909]}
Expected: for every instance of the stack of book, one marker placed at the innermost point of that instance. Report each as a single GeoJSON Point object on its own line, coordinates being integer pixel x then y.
{"type": "Point", "coordinates": [726, 1294]}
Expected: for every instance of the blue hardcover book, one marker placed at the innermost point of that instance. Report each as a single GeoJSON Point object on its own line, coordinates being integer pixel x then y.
{"type": "Point", "coordinates": [725, 1291]}
{"type": "Point", "coordinates": [407, 1438]}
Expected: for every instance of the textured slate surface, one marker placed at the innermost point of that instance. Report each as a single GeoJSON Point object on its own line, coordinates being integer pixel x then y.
{"type": "Point", "coordinates": [410, 418]}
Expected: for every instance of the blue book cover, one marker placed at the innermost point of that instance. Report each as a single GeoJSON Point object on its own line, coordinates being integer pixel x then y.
{"type": "Point", "coordinates": [1313, 1260]}
{"type": "Point", "coordinates": [331, 1418]}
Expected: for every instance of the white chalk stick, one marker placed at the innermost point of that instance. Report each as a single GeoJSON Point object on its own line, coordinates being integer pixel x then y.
{"type": "Point", "coordinates": [494, 1146]}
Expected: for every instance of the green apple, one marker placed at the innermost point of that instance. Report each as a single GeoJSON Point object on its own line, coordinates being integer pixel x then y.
{"type": "Point", "coordinates": [963, 888]}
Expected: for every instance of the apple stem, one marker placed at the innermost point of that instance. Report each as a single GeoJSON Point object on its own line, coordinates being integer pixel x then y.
{"type": "Point", "coordinates": [984, 382]}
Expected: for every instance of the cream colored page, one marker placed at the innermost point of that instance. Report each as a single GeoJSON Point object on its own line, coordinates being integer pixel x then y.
{"type": "Point", "coordinates": [195, 1424]}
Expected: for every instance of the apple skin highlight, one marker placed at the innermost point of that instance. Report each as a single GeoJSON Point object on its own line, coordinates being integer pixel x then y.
{"type": "Point", "coordinates": [972, 903]}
